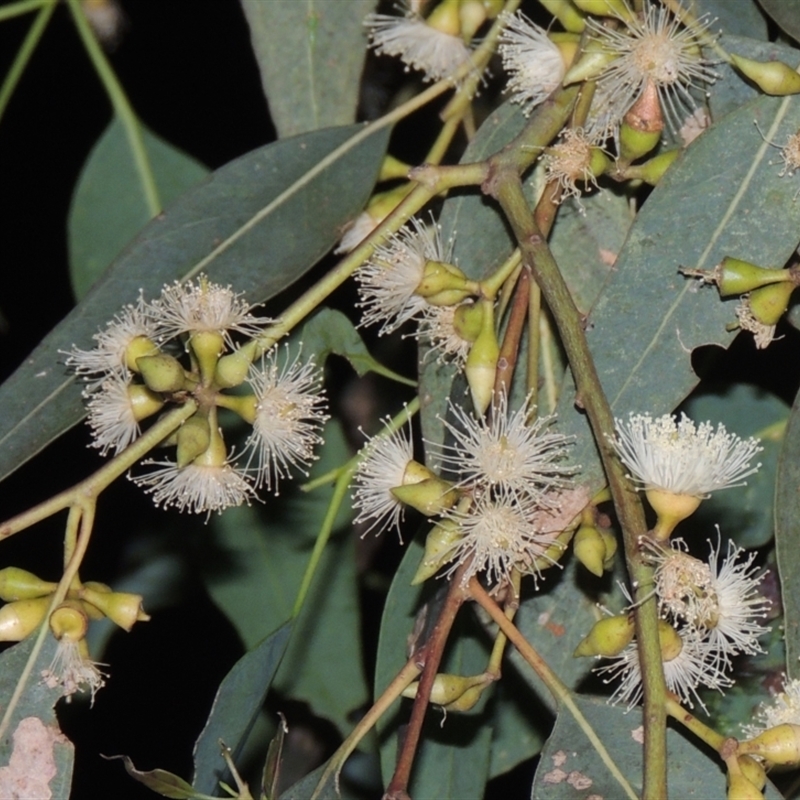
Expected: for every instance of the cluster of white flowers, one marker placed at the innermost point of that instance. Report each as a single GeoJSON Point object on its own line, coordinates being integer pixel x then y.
{"type": "Point", "coordinates": [507, 470]}
{"type": "Point", "coordinates": [131, 376]}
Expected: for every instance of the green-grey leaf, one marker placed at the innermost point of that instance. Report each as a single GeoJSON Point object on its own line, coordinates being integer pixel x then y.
{"type": "Point", "coordinates": [257, 223]}
{"type": "Point", "coordinates": [310, 54]}
{"type": "Point", "coordinates": [32, 738]}
{"type": "Point", "coordinates": [787, 538]}
{"type": "Point", "coordinates": [237, 704]}
{"type": "Point", "coordinates": [786, 13]}
{"type": "Point", "coordinates": [265, 554]}
{"type": "Point", "coordinates": [571, 765]}
{"type": "Point", "coordinates": [109, 206]}
{"type": "Point", "coordinates": [649, 318]}
{"type": "Point", "coordinates": [330, 331]}
{"type": "Point", "coordinates": [453, 760]}
{"type": "Point", "coordinates": [160, 781]}
{"type": "Point", "coordinates": [746, 513]}
{"type": "Point", "coordinates": [740, 17]}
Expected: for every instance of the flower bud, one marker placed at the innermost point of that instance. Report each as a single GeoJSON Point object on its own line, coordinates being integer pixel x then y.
{"type": "Point", "coordinates": [392, 168]}
{"type": "Point", "coordinates": [599, 162]}
{"type": "Point", "coordinates": [138, 347]}
{"type": "Point", "coordinates": [753, 770]}
{"type": "Point", "coordinates": [565, 12]}
{"type": "Point", "coordinates": [467, 321]}
{"type": "Point", "coordinates": [472, 14]}
{"type": "Point", "coordinates": [144, 402]}
{"type": "Point", "coordinates": [438, 549]}
{"type": "Point", "coordinates": [740, 788]}
{"type": "Point", "coordinates": [590, 549]}
{"type": "Point", "coordinates": [670, 641]}
{"type": "Point", "coordinates": [232, 369]}
{"type": "Point", "coordinates": [734, 276]}
{"type": "Point", "coordinates": [246, 406]}
{"type": "Point", "coordinates": [162, 373]}
{"type": "Point", "coordinates": [21, 617]}
{"type": "Point", "coordinates": [469, 699]}
{"type": "Point", "coordinates": [122, 608]}
{"type": "Point", "coordinates": [481, 365]}
{"type": "Point", "coordinates": [207, 347]}
{"type": "Point", "coordinates": [69, 621]}
{"type": "Point", "coordinates": [447, 688]}
{"type": "Point", "coordinates": [653, 170]}
{"type": "Point", "coordinates": [589, 66]}
{"type": "Point", "coordinates": [439, 278]}
{"type": "Point", "coordinates": [610, 541]}
{"type": "Point", "coordinates": [19, 584]}
{"type": "Point", "coordinates": [194, 437]}
{"type": "Point", "coordinates": [608, 637]}
{"type": "Point", "coordinates": [445, 19]}
{"type": "Point", "coordinates": [671, 509]}
{"type": "Point", "coordinates": [430, 497]}
{"type": "Point", "coordinates": [493, 7]}
{"type": "Point", "coordinates": [769, 303]}
{"type": "Point", "coordinates": [642, 125]}
{"type": "Point", "coordinates": [93, 612]}
{"type": "Point", "coordinates": [606, 8]}
{"type": "Point", "coordinates": [634, 143]}
{"type": "Point", "coordinates": [772, 77]}
{"type": "Point", "coordinates": [778, 745]}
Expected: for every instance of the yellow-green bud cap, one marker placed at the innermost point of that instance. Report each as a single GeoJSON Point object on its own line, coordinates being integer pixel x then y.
{"type": "Point", "coordinates": [772, 77]}
{"type": "Point", "coordinates": [232, 369]}
{"type": "Point", "coordinates": [653, 170]}
{"type": "Point", "coordinates": [69, 621]}
{"type": "Point", "coordinates": [447, 688]}
{"type": "Point", "coordinates": [590, 549]}
{"type": "Point", "coordinates": [606, 8]}
{"type": "Point", "coordinates": [445, 19]}
{"type": "Point", "coordinates": [740, 788]}
{"type": "Point", "coordinates": [778, 745]}
{"type": "Point", "coordinates": [589, 66]}
{"type": "Point", "coordinates": [194, 437]}
{"type": "Point", "coordinates": [138, 347]}
{"type": "Point", "coordinates": [392, 168]}
{"type": "Point", "coordinates": [671, 509]}
{"type": "Point", "coordinates": [753, 770]}
{"type": "Point", "coordinates": [481, 364]}
{"type": "Point", "coordinates": [610, 541]}
{"type": "Point", "coordinates": [608, 637]}
{"type": "Point", "coordinates": [207, 347]}
{"type": "Point", "coordinates": [467, 321]}
{"type": "Point", "coordinates": [21, 617]}
{"type": "Point", "coordinates": [162, 373]}
{"type": "Point", "coordinates": [566, 13]}
{"type": "Point", "coordinates": [19, 584]}
{"type": "Point", "coordinates": [430, 497]}
{"type": "Point", "coordinates": [438, 549]}
{"type": "Point", "coordinates": [734, 276]}
{"type": "Point", "coordinates": [438, 277]}
{"type": "Point", "coordinates": [122, 608]}
{"type": "Point", "coordinates": [670, 641]}
{"type": "Point", "coordinates": [472, 14]}
{"type": "Point", "coordinates": [144, 402]}
{"type": "Point", "coordinates": [769, 303]}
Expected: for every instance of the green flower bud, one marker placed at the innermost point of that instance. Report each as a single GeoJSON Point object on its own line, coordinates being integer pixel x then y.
{"type": "Point", "coordinates": [144, 402]}
{"type": "Point", "coordinates": [232, 369]}
{"type": "Point", "coordinates": [635, 143]}
{"type": "Point", "coordinates": [565, 12]}
{"type": "Point", "coordinates": [162, 373]}
{"type": "Point", "coordinates": [21, 617]}
{"type": "Point", "coordinates": [392, 168]}
{"type": "Point", "coordinates": [122, 608]}
{"type": "Point", "coordinates": [19, 584]}
{"type": "Point", "coordinates": [589, 66]}
{"type": "Point", "coordinates": [194, 437]}
{"type": "Point", "coordinates": [610, 541]}
{"type": "Point", "coordinates": [671, 509]}
{"type": "Point", "coordinates": [472, 14]}
{"type": "Point", "coordinates": [438, 549]}
{"type": "Point", "coordinates": [246, 406]}
{"type": "Point", "coordinates": [438, 277]}
{"type": "Point", "coordinates": [653, 170]}
{"type": "Point", "coordinates": [445, 19]}
{"type": "Point", "coordinates": [138, 347]}
{"type": "Point", "coordinates": [481, 365]}
{"type": "Point", "coordinates": [469, 699]}
{"type": "Point", "coordinates": [431, 497]}
{"type": "Point", "coordinates": [670, 641]}
{"type": "Point", "coordinates": [642, 125]}
{"type": "Point", "coordinates": [70, 621]}
{"type": "Point", "coordinates": [599, 162]}
{"type": "Point", "coordinates": [753, 770]}
{"type": "Point", "coordinates": [740, 788]}
{"type": "Point", "coordinates": [772, 77]}
{"type": "Point", "coordinates": [778, 745]}
{"type": "Point", "coordinates": [734, 276]}
{"type": "Point", "coordinates": [769, 303]}
{"type": "Point", "coordinates": [606, 8]}
{"type": "Point", "coordinates": [207, 347]}
{"type": "Point", "coordinates": [608, 637]}
{"type": "Point", "coordinates": [447, 688]}
{"type": "Point", "coordinates": [467, 321]}
{"type": "Point", "coordinates": [590, 549]}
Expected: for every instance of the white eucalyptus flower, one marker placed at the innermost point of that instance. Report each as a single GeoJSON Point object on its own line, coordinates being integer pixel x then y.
{"type": "Point", "coordinates": [783, 708]}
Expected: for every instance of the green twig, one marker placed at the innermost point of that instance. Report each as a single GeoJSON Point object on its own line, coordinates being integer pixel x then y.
{"type": "Point", "coordinates": [24, 7]}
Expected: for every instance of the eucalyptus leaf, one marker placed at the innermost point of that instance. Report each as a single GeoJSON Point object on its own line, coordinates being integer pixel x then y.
{"type": "Point", "coordinates": [572, 764]}
{"type": "Point", "coordinates": [739, 17]}
{"type": "Point", "coordinates": [649, 318]}
{"type": "Point", "coordinates": [257, 223]}
{"type": "Point", "coordinates": [36, 756]}
{"type": "Point", "coordinates": [786, 13]}
{"type": "Point", "coordinates": [109, 206]}
{"type": "Point", "coordinates": [160, 781]}
{"type": "Point", "coordinates": [237, 704]}
{"type": "Point", "coordinates": [310, 54]}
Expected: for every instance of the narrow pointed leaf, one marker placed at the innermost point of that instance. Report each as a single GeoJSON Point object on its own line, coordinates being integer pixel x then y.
{"type": "Point", "coordinates": [258, 223]}
{"type": "Point", "coordinates": [159, 781]}
{"type": "Point", "coordinates": [310, 54]}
